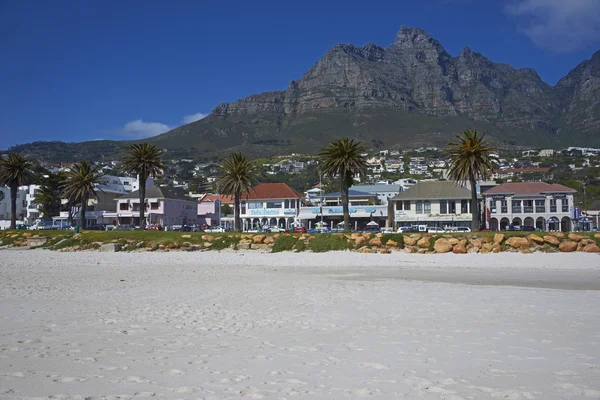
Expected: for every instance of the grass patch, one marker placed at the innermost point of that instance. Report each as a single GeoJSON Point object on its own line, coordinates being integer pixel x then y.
{"type": "Point", "coordinates": [225, 242]}
{"type": "Point", "coordinates": [328, 242]}
{"type": "Point", "coordinates": [285, 243]}
{"type": "Point", "coordinates": [396, 237]}
{"type": "Point", "coordinates": [300, 246]}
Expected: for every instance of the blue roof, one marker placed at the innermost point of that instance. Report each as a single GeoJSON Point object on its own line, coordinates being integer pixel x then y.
{"type": "Point", "coordinates": [351, 193]}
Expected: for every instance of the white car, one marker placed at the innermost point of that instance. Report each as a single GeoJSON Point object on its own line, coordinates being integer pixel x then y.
{"type": "Point", "coordinates": [460, 229]}
{"type": "Point", "coordinates": [435, 229]}
{"type": "Point", "coordinates": [215, 229]}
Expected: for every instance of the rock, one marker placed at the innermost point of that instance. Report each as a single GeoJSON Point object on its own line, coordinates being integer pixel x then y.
{"type": "Point", "coordinates": [366, 250]}
{"type": "Point", "coordinates": [35, 241]}
{"type": "Point", "coordinates": [496, 248]}
{"type": "Point", "coordinates": [360, 242]}
{"type": "Point", "coordinates": [518, 242]}
{"type": "Point", "coordinates": [486, 239]}
{"type": "Point", "coordinates": [391, 243]}
{"type": "Point", "coordinates": [258, 239]}
{"type": "Point", "coordinates": [275, 236]}
{"type": "Point", "coordinates": [442, 245]}
{"type": "Point", "coordinates": [269, 240]}
{"type": "Point", "coordinates": [385, 251]}
{"type": "Point", "coordinates": [408, 249]}
{"type": "Point", "coordinates": [410, 241]}
{"type": "Point", "coordinates": [243, 245]}
{"type": "Point", "coordinates": [591, 248]}
{"type": "Point", "coordinates": [245, 241]}
{"type": "Point", "coordinates": [423, 242]}
{"type": "Point", "coordinates": [459, 248]}
{"type": "Point", "coordinates": [567, 246]}
{"type": "Point", "coordinates": [186, 244]}
{"type": "Point", "coordinates": [453, 241]}
{"type": "Point", "coordinates": [379, 235]}
{"type": "Point", "coordinates": [375, 242]}
{"type": "Point", "coordinates": [161, 246]}
{"type": "Point", "coordinates": [473, 250]}
{"type": "Point", "coordinates": [260, 246]}
{"type": "Point", "coordinates": [155, 247]}
{"type": "Point", "coordinates": [422, 251]}
{"type": "Point", "coordinates": [110, 248]}
{"type": "Point", "coordinates": [536, 239]}
{"type": "Point", "coordinates": [208, 238]}
{"type": "Point", "coordinates": [476, 243]}
{"type": "Point", "coordinates": [139, 245]}
{"type": "Point", "coordinates": [526, 251]}
{"type": "Point", "coordinates": [558, 234]}
{"type": "Point", "coordinates": [551, 240]}
{"type": "Point", "coordinates": [597, 235]}
{"type": "Point", "coordinates": [27, 234]}
{"type": "Point", "coordinates": [207, 245]}
{"type": "Point", "coordinates": [186, 236]}
{"type": "Point", "coordinates": [575, 237]}
{"type": "Point", "coordinates": [498, 238]}
{"type": "Point", "coordinates": [485, 251]}
{"type": "Point", "coordinates": [195, 247]}
{"type": "Point", "coordinates": [415, 236]}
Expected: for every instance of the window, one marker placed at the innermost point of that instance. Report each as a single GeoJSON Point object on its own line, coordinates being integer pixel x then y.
{"type": "Point", "coordinates": [427, 208]}
{"type": "Point", "coordinates": [552, 205]}
{"type": "Point", "coordinates": [516, 206]}
{"type": "Point", "coordinates": [243, 207]}
{"type": "Point", "coordinates": [135, 206]}
{"type": "Point", "coordinates": [565, 205]}
{"type": "Point", "coordinates": [123, 206]}
{"type": "Point", "coordinates": [154, 206]}
{"type": "Point", "coordinates": [528, 206]}
{"type": "Point", "coordinates": [419, 207]}
{"type": "Point", "coordinates": [274, 204]}
{"type": "Point", "coordinates": [255, 204]}
{"type": "Point", "coordinates": [540, 206]}
{"type": "Point", "coordinates": [504, 206]}
{"type": "Point", "coordinates": [464, 206]}
{"type": "Point", "coordinates": [399, 205]}
{"type": "Point", "coordinates": [407, 205]}
{"type": "Point", "coordinates": [443, 207]}
{"type": "Point", "coordinates": [492, 206]}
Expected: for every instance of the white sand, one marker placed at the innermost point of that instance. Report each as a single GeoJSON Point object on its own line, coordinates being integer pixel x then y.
{"type": "Point", "coordinates": [312, 326]}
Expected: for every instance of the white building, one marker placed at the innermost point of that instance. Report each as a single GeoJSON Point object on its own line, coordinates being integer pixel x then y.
{"type": "Point", "coordinates": [5, 206]}
{"type": "Point", "coordinates": [269, 204]}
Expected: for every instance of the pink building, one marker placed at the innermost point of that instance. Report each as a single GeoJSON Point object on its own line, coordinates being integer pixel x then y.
{"type": "Point", "coordinates": [164, 206]}
{"type": "Point", "coordinates": [209, 212]}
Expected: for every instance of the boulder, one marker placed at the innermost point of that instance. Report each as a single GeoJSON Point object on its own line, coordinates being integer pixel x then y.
{"type": "Point", "coordinates": [485, 251]}
{"type": "Point", "coordinates": [410, 241]}
{"type": "Point", "coordinates": [207, 245]}
{"type": "Point", "coordinates": [591, 248]}
{"type": "Point", "coordinates": [453, 241]}
{"type": "Point", "coordinates": [498, 238]}
{"type": "Point", "coordinates": [269, 240]}
{"type": "Point", "coordinates": [472, 249]}
{"type": "Point", "coordinates": [375, 242]}
{"type": "Point", "coordinates": [245, 245]}
{"type": "Point", "coordinates": [526, 251]}
{"type": "Point", "coordinates": [575, 237]}
{"type": "Point", "coordinates": [567, 246]}
{"type": "Point", "coordinates": [260, 246]}
{"type": "Point", "coordinates": [551, 240]}
{"type": "Point", "coordinates": [408, 249]}
{"type": "Point", "coordinates": [366, 235]}
{"type": "Point", "coordinates": [207, 238]}
{"type": "Point", "coordinates": [558, 234]}
{"type": "Point", "coordinates": [476, 243]}
{"type": "Point", "coordinates": [535, 239]}
{"type": "Point", "coordinates": [186, 236]}
{"type": "Point", "coordinates": [518, 242]}
{"type": "Point", "coordinates": [385, 251]}
{"type": "Point", "coordinates": [27, 234]}
{"type": "Point", "coordinates": [422, 251]}
{"type": "Point", "coordinates": [275, 236]}
{"type": "Point", "coordinates": [258, 239]}
{"type": "Point", "coordinates": [496, 248]}
{"type": "Point", "coordinates": [139, 245]}
{"type": "Point", "coordinates": [415, 236]}
{"type": "Point", "coordinates": [391, 243]}
{"type": "Point", "coordinates": [161, 247]}
{"type": "Point", "coordinates": [423, 242]}
{"type": "Point", "coordinates": [442, 245]}
{"type": "Point", "coordinates": [366, 250]}
{"type": "Point", "coordinates": [597, 235]}
{"type": "Point", "coordinates": [110, 248]}
{"type": "Point", "coordinates": [459, 248]}
{"type": "Point", "coordinates": [186, 244]}
{"type": "Point", "coordinates": [486, 239]}
{"type": "Point", "coordinates": [487, 246]}
{"type": "Point", "coordinates": [360, 242]}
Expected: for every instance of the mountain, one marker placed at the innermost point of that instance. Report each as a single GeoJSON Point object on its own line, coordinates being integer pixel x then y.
{"type": "Point", "coordinates": [410, 93]}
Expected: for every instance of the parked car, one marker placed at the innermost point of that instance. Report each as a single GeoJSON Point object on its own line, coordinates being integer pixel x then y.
{"type": "Point", "coordinates": [403, 229]}
{"type": "Point", "coordinates": [372, 229]}
{"type": "Point", "coordinates": [296, 229]}
{"type": "Point", "coordinates": [459, 229]}
{"type": "Point", "coordinates": [96, 227]}
{"type": "Point", "coordinates": [528, 228]}
{"type": "Point", "coordinates": [387, 229]}
{"type": "Point", "coordinates": [125, 228]}
{"type": "Point", "coordinates": [23, 227]}
{"type": "Point", "coordinates": [512, 227]}
{"type": "Point", "coordinates": [215, 229]}
{"type": "Point", "coordinates": [435, 229]}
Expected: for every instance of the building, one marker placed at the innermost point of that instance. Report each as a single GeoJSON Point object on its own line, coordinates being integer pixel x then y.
{"type": "Point", "coordinates": [269, 204]}
{"type": "Point", "coordinates": [5, 206]}
{"type": "Point", "coordinates": [382, 191]}
{"type": "Point", "coordinates": [546, 153]}
{"type": "Point", "coordinates": [209, 212]}
{"type": "Point", "coordinates": [433, 203]}
{"type": "Point", "coordinates": [164, 206]}
{"type": "Point", "coordinates": [122, 184]}
{"type": "Point", "coordinates": [547, 207]}
{"type": "Point", "coordinates": [313, 196]}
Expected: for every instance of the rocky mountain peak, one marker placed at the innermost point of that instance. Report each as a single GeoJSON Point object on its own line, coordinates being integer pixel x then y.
{"type": "Point", "coordinates": [415, 38]}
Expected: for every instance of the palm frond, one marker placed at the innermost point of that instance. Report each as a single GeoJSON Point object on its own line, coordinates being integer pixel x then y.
{"type": "Point", "coordinates": [470, 157]}
{"type": "Point", "coordinates": [80, 181]}
{"type": "Point", "coordinates": [236, 175]}
{"type": "Point", "coordinates": [16, 169]}
{"type": "Point", "coordinates": [343, 157]}
{"type": "Point", "coordinates": [143, 160]}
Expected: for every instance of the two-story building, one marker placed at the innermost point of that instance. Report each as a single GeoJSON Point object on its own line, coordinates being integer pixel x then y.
{"type": "Point", "coordinates": [165, 206]}
{"type": "Point", "coordinates": [269, 204]}
{"type": "Point", "coordinates": [547, 207]}
{"type": "Point", "coordinates": [441, 204]}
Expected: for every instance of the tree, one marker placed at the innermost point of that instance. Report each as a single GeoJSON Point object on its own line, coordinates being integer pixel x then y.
{"type": "Point", "coordinates": [236, 177]}
{"type": "Point", "coordinates": [79, 186]}
{"type": "Point", "coordinates": [49, 195]}
{"type": "Point", "coordinates": [144, 160]}
{"type": "Point", "coordinates": [471, 159]}
{"type": "Point", "coordinates": [198, 184]}
{"type": "Point", "coordinates": [15, 170]}
{"type": "Point", "coordinates": [342, 158]}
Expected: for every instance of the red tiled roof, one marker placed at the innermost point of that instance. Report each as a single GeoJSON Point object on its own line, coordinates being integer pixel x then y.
{"type": "Point", "coordinates": [531, 169]}
{"type": "Point", "coordinates": [272, 191]}
{"type": "Point", "coordinates": [529, 188]}
{"type": "Point", "coordinates": [223, 198]}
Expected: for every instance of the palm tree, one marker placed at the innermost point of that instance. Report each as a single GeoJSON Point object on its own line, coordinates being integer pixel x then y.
{"type": "Point", "coordinates": [15, 170]}
{"type": "Point", "coordinates": [471, 159]}
{"type": "Point", "coordinates": [144, 160]}
{"type": "Point", "coordinates": [79, 185]}
{"type": "Point", "coordinates": [49, 195]}
{"type": "Point", "coordinates": [342, 158]}
{"type": "Point", "coordinates": [237, 175]}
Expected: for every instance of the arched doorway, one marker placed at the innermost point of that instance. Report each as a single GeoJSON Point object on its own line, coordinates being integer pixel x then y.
{"type": "Point", "coordinates": [504, 222]}
{"type": "Point", "coordinates": [565, 224]}
{"type": "Point", "coordinates": [540, 224]}
{"type": "Point", "coordinates": [528, 221]}
{"type": "Point", "coordinates": [553, 224]}
{"type": "Point", "coordinates": [516, 221]}
{"type": "Point", "coordinates": [493, 224]}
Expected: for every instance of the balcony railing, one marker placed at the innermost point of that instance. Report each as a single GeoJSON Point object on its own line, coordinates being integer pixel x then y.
{"type": "Point", "coordinates": [528, 209]}
{"type": "Point", "coordinates": [540, 209]}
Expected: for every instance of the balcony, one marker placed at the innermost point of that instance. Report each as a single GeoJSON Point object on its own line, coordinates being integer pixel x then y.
{"type": "Point", "coordinates": [528, 209]}
{"type": "Point", "coordinates": [540, 209]}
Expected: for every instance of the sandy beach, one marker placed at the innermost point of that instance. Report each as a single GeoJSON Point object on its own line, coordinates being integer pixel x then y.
{"type": "Point", "coordinates": [234, 325]}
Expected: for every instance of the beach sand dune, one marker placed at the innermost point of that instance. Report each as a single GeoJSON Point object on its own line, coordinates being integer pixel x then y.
{"type": "Point", "coordinates": [282, 326]}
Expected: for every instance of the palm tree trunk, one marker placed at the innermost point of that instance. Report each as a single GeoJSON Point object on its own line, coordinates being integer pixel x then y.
{"type": "Point", "coordinates": [82, 214]}
{"type": "Point", "coordinates": [13, 204]}
{"type": "Point", "coordinates": [142, 182]}
{"type": "Point", "coordinates": [474, 205]}
{"type": "Point", "coordinates": [344, 193]}
{"type": "Point", "coordinates": [236, 212]}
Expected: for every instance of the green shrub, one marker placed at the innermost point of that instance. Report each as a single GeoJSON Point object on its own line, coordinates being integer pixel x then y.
{"type": "Point", "coordinates": [396, 237]}
{"type": "Point", "coordinates": [328, 242]}
{"type": "Point", "coordinates": [431, 243]}
{"type": "Point", "coordinates": [300, 246]}
{"type": "Point", "coordinates": [284, 243]}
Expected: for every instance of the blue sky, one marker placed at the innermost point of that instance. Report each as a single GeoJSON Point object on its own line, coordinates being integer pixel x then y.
{"type": "Point", "coordinates": [84, 70]}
